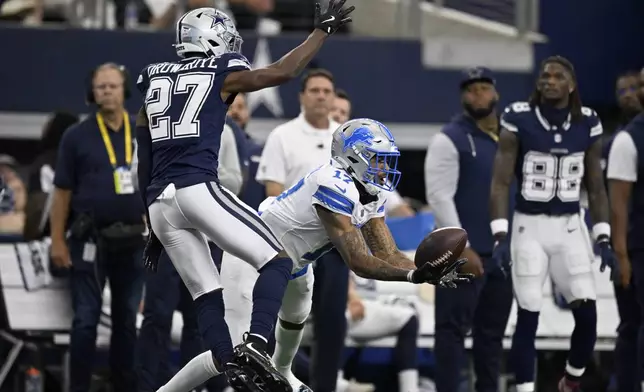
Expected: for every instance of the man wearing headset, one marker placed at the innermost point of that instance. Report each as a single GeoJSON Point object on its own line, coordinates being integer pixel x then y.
{"type": "Point", "coordinates": [93, 190]}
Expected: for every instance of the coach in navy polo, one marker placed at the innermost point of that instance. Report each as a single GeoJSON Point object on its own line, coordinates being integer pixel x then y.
{"type": "Point", "coordinates": [458, 174]}
{"type": "Point", "coordinates": [94, 191]}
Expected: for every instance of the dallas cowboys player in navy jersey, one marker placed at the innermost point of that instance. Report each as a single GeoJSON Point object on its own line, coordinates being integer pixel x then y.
{"type": "Point", "coordinates": [551, 144]}
{"type": "Point", "coordinates": [178, 133]}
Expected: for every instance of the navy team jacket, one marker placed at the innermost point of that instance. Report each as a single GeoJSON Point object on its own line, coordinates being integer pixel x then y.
{"type": "Point", "coordinates": [472, 199]}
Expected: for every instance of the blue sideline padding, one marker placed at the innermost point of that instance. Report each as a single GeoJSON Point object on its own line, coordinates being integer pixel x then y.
{"type": "Point", "coordinates": [409, 232]}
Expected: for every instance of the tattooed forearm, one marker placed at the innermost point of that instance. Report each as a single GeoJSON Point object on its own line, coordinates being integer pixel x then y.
{"type": "Point", "coordinates": [382, 244]}
{"type": "Point", "coordinates": [504, 162]}
{"type": "Point", "coordinates": [594, 181]}
{"type": "Point", "coordinates": [353, 249]}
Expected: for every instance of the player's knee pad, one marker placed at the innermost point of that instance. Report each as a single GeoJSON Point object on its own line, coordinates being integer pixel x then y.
{"type": "Point", "coordinates": [291, 326]}
{"type": "Point", "coordinates": [529, 298]}
{"type": "Point", "coordinates": [528, 273]}
{"type": "Point", "coordinates": [296, 316]}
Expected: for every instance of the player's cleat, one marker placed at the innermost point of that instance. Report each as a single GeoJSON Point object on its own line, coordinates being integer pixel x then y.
{"type": "Point", "coordinates": [247, 355]}
{"type": "Point", "coordinates": [239, 380]}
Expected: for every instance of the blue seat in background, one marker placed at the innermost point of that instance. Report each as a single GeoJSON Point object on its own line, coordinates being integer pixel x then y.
{"type": "Point", "coordinates": [409, 232]}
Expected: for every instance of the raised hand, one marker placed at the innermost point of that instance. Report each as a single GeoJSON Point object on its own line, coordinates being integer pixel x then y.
{"type": "Point", "coordinates": [333, 18]}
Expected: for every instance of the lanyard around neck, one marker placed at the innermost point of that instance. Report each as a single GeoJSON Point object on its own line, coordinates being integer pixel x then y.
{"type": "Point", "coordinates": [108, 142]}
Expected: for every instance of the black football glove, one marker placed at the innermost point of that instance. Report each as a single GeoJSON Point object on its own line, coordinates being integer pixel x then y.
{"type": "Point", "coordinates": [502, 256]}
{"type": "Point", "coordinates": [447, 276]}
{"type": "Point", "coordinates": [333, 18]}
{"type": "Point", "coordinates": [608, 256]}
{"type": "Point", "coordinates": [152, 252]}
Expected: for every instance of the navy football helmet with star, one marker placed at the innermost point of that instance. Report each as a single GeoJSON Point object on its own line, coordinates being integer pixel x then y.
{"type": "Point", "coordinates": [206, 31]}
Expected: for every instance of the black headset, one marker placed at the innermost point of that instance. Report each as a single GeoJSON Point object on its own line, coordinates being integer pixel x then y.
{"type": "Point", "coordinates": [89, 93]}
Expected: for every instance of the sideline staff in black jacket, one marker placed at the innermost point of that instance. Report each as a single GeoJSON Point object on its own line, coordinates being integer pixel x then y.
{"type": "Point", "coordinates": [458, 174]}
{"type": "Point", "coordinates": [94, 189]}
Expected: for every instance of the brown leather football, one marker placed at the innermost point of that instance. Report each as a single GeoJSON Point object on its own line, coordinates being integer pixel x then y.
{"type": "Point", "coordinates": [441, 247]}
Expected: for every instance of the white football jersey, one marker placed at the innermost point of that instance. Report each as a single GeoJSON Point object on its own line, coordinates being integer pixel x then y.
{"type": "Point", "coordinates": [293, 219]}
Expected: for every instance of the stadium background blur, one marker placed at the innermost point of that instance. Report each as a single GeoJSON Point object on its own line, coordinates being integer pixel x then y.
{"type": "Point", "coordinates": [399, 62]}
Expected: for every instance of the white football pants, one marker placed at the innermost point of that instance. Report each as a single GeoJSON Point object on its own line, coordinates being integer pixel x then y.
{"type": "Point", "coordinates": [183, 218]}
{"type": "Point", "coordinates": [238, 279]}
{"type": "Point", "coordinates": [555, 245]}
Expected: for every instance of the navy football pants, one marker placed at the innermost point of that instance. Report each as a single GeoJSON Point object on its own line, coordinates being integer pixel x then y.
{"type": "Point", "coordinates": [484, 307]}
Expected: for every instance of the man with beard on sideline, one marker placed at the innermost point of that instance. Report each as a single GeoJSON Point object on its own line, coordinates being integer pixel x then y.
{"type": "Point", "coordinates": [460, 159]}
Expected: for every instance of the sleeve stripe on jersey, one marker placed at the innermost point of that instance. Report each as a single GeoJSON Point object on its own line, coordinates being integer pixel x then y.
{"type": "Point", "coordinates": [238, 63]}
{"type": "Point", "coordinates": [334, 200]}
{"type": "Point", "coordinates": [597, 130]}
{"type": "Point", "coordinates": [508, 126]}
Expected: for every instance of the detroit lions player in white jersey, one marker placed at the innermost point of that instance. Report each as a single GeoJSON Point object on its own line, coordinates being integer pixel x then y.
{"type": "Point", "coordinates": [341, 205]}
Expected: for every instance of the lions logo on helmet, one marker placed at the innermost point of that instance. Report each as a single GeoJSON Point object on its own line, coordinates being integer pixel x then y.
{"type": "Point", "coordinates": [366, 149]}
{"type": "Point", "coordinates": [206, 31]}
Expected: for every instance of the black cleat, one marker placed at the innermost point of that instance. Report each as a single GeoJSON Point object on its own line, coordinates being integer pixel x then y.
{"type": "Point", "coordinates": [239, 380]}
{"type": "Point", "coordinates": [257, 361]}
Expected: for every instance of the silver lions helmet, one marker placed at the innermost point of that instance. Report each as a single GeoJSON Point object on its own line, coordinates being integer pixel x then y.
{"type": "Point", "coordinates": [366, 149]}
{"type": "Point", "coordinates": [208, 31]}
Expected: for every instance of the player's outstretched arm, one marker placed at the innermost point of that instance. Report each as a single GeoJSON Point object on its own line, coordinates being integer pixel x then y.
{"type": "Point", "coordinates": [382, 245]}
{"type": "Point", "coordinates": [353, 249]}
{"type": "Point", "coordinates": [504, 161]}
{"type": "Point", "coordinates": [294, 62]}
{"type": "Point", "coordinates": [594, 182]}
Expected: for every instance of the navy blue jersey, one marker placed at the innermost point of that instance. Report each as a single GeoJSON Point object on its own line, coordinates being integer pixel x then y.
{"type": "Point", "coordinates": [186, 117]}
{"type": "Point", "coordinates": [550, 162]}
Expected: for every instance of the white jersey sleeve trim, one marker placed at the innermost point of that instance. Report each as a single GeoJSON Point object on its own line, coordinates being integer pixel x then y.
{"type": "Point", "coordinates": [597, 130]}
{"type": "Point", "coordinates": [508, 126]}
{"type": "Point", "coordinates": [622, 159]}
{"type": "Point", "coordinates": [333, 201]}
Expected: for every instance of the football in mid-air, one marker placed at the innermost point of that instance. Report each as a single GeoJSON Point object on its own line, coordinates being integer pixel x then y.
{"type": "Point", "coordinates": [441, 247]}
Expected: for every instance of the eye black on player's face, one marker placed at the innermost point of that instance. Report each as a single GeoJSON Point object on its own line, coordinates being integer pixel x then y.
{"type": "Point", "coordinates": [555, 82]}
